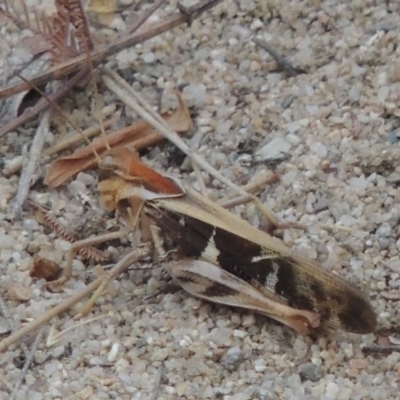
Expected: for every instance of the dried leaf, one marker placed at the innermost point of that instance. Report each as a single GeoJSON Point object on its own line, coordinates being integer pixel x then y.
{"type": "Point", "coordinates": [140, 135]}
{"type": "Point", "coordinates": [43, 268]}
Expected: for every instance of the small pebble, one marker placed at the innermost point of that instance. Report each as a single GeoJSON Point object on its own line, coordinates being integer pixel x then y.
{"type": "Point", "coordinates": [248, 320]}
{"type": "Point", "coordinates": [112, 355]}
{"type": "Point", "coordinates": [149, 58]}
{"type": "Point", "coordinates": [256, 24]}
{"type": "Point", "coordinates": [232, 359]}
{"type": "Point", "coordinates": [310, 372]}
{"type": "Point", "coordinates": [7, 241]}
{"type": "Point", "coordinates": [276, 149]}
{"type": "Point", "coordinates": [220, 336]}
{"type": "Point", "coordinates": [393, 136]}
{"type": "Point", "coordinates": [300, 347]}
{"type": "Point", "coordinates": [384, 243]}
{"type": "Point", "coordinates": [4, 326]}
{"type": "Point", "coordinates": [240, 334]}
{"type": "Point", "coordinates": [384, 230]}
{"type": "Point", "coordinates": [19, 292]}
{"type": "Point", "coordinates": [332, 390]}
{"type": "Point", "coordinates": [319, 149]}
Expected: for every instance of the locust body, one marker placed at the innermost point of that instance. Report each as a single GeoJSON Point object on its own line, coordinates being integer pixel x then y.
{"type": "Point", "coordinates": [224, 259]}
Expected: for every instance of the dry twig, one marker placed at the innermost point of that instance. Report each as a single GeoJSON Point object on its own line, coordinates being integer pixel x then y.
{"type": "Point", "coordinates": [31, 166]}
{"type": "Point", "coordinates": [10, 320]}
{"type": "Point", "coordinates": [378, 349]}
{"type": "Point", "coordinates": [157, 383]}
{"type": "Point", "coordinates": [282, 61]}
{"type": "Point", "coordinates": [28, 363]}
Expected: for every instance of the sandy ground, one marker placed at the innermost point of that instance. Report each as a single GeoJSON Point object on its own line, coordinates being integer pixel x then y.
{"type": "Point", "coordinates": [332, 135]}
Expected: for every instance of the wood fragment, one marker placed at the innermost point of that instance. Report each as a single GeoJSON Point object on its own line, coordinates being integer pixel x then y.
{"type": "Point", "coordinates": [377, 349]}
{"type": "Point", "coordinates": [232, 200]}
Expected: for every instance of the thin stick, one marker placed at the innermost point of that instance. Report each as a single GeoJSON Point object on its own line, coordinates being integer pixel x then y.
{"type": "Point", "coordinates": [282, 61]}
{"type": "Point", "coordinates": [145, 16]}
{"type": "Point", "coordinates": [53, 338]}
{"type": "Point", "coordinates": [377, 349]}
{"type": "Point", "coordinates": [83, 244]}
{"type": "Point", "coordinates": [231, 200]}
{"type": "Point", "coordinates": [203, 188]}
{"type": "Point", "coordinates": [34, 156]}
{"type": "Point", "coordinates": [10, 320]}
{"type": "Point", "coordinates": [28, 362]}
{"type": "Point", "coordinates": [77, 138]}
{"type": "Point", "coordinates": [195, 10]}
{"type": "Point", "coordinates": [133, 257]}
{"type": "Point", "coordinates": [157, 383]}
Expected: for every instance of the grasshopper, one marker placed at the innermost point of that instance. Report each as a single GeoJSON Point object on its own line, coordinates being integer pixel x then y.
{"type": "Point", "coordinates": [223, 259]}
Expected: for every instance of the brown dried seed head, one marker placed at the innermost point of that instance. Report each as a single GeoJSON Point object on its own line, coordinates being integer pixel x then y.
{"type": "Point", "coordinates": [44, 268]}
